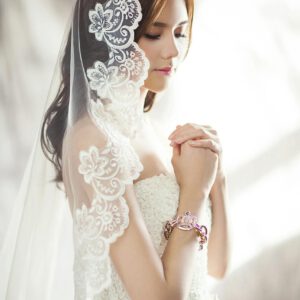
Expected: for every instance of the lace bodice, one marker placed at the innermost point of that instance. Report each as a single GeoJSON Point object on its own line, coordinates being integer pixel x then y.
{"type": "Point", "coordinates": [158, 200]}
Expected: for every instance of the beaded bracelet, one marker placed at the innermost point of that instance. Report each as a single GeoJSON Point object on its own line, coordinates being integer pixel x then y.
{"type": "Point", "coordinates": [187, 222]}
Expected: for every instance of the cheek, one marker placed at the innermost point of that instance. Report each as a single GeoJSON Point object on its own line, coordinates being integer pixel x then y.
{"type": "Point", "coordinates": [151, 51]}
{"type": "Point", "coordinates": [154, 82]}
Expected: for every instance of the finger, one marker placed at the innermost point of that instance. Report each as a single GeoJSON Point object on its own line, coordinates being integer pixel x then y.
{"type": "Point", "coordinates": [174, 131]}
{"type": "Point", "coordinates": [191, 134]}
{"type": "Point", "coordinates": [206, 128]}
{"type": "Point", "coordinates": [183, 128]}
{"type": "Point", "coordinates": [206, 143]}
{"type": "Point", "coordinates": [176, 151]}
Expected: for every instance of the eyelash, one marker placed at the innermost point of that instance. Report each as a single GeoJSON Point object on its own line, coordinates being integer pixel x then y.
{"type": "Point", "coordinates": [157, 36]}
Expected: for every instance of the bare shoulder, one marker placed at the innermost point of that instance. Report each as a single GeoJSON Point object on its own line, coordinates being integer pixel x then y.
{"type": "Point", "coordinates": [84, 134]}
{"type": "Point", "coordinates": [81, 146]}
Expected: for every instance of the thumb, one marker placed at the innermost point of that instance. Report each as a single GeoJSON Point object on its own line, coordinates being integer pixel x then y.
{"type": "Point", "coordinates": [176, 150]}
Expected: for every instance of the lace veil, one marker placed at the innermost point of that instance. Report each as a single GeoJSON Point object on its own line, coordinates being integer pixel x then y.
{"type": "Point", "coordinates": [104, 112]}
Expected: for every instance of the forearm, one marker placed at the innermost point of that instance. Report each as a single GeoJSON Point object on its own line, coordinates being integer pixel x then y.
{"type": "Point", "coordinates": [180, 252]}
{"type": "Point", "coordinates": [218, 245]}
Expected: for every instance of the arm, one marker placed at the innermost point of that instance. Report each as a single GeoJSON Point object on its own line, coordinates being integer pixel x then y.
{"type": "Point", "coordinates": [204, 136]}
{"type": "Point", "coordinates": [179, 255]}
{"type": "Point", "coordinates": [144, 274]}
{"type": "Point", "coordinates": [218, 245]}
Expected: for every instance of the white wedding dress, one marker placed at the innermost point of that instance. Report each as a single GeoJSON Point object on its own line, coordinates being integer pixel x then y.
{"type": "Point", "coordinates": [158, 200]}
{"type": "Point", "coordinates": [99, 165]}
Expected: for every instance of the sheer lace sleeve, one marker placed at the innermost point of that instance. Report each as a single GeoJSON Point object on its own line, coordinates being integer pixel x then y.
{"type": "Point", "coordinates": [96, 172]}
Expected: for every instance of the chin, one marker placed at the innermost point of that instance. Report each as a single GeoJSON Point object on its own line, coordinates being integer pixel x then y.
{"type": "Point", "coordinates": [157, 86]}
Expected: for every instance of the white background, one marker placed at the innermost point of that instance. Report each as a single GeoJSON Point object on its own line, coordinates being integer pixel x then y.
{"type": "Point", "coordinates": [242, 76]}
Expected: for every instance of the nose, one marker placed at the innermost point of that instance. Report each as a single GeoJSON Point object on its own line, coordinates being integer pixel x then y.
{"type": "Point", "coordinates": [170, 49]}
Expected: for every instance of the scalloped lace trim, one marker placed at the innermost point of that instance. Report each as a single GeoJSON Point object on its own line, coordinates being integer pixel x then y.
{"type": "Point", "coordinates": [99, 225]}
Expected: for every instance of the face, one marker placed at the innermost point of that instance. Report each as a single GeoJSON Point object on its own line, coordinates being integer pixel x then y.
{"type": "Point", "coordinates": [165, 43]}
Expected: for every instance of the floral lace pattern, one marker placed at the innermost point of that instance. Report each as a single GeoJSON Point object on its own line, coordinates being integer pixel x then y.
{"type": "Point", "coordinates": [158, 200]}
{"type": "Point", "coordinates": [118, 80]}
{"type": "Point", "coordinates": [115, 22]}
{"type": "Point", "coordinates": [117, 113]}
{"type": "Point", "coordinates": [99, 225]}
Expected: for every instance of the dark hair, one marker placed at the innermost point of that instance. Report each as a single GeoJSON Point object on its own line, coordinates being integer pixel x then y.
{"type": "Point", "coordinates": [55, 120]}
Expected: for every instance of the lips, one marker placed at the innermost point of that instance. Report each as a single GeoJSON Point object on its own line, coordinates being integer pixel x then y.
{"type": "Point", "coordinates": [166, 69]}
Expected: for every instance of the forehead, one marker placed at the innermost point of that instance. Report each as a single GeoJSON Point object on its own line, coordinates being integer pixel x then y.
{"type": "Point", "coordinates": [173, 13]}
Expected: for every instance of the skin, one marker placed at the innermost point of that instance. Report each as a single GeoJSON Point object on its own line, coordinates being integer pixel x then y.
{"type": "Point", "coordinates": [206, 137]}
{"type": "Point", "coordinates": [145, 274]}
{"type": "Point", "coordinates": [164, 45]}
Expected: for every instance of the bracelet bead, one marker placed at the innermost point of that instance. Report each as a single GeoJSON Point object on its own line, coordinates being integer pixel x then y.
{"type": "Point", "coordinates": [187, 222]}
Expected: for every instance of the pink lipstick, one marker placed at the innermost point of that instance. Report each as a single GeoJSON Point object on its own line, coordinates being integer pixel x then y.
{"type": "Point", "coordinates": [165, 71]}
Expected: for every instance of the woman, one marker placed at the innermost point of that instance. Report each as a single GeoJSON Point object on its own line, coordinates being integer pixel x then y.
{"type": "Point", "coordinates": [118, 55]}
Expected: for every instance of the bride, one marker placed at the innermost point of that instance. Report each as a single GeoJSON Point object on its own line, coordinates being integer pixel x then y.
{"type": "Point", "coordinates": [140, 229]}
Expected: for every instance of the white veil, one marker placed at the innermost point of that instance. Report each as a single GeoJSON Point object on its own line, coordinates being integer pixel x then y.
{"type": "Point", "coordinates": [31, 244]}
{"type": "Point", "coordinates": [99, 161]}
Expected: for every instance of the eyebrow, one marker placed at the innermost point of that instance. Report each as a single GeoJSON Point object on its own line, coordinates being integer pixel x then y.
{"type": "Point", "coordinates": [164, 25]}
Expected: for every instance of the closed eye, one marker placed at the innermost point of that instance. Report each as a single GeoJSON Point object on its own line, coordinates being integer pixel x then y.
{"type": "Point", "coordinates": [152, 36]}
{"type": "Point", "coordinates": [157, 36]}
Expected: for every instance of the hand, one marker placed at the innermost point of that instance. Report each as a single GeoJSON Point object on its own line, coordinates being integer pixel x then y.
{"type": "Point", "coordinates": [195, 169]}
{"type": "Point", "coordinates": [199, 136]}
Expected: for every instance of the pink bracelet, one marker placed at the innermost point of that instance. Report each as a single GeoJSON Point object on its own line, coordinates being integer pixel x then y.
{"type": "Point", "coordinates": [187, 222]}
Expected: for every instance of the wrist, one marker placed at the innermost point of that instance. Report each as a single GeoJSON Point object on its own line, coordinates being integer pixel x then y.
{"type": "Point", "coordinates": [191, 201]}
{"type": "Point", "coordinates": [192, 195]}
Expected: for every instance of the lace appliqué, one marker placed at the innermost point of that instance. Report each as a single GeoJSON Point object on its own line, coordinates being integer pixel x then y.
{"type": "Point", "coordinates": [99, 225]}
{"type": "Point", "coordinates": [118, 80]}
{"type": "Point", "coordinates": [118, 113]}
{"type": "Point", "coordinates": [158, 198]}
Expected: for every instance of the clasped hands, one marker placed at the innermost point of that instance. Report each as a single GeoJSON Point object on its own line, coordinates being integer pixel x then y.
{"type": "Point", "coordinates": [199, 136]}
